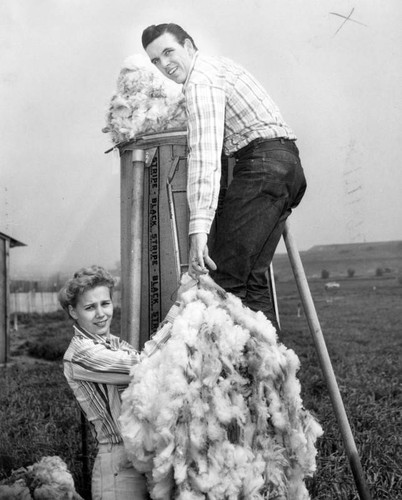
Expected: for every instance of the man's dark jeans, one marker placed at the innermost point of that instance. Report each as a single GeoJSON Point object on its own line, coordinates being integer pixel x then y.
{"type": "Point", "coordinates": [268, 182]}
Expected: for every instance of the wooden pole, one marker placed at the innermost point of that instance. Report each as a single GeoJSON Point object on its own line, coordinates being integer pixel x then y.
{"type": "Point", "coordinates": [326, 365]}
{"type": "Point", "coordinates": [132, 201]}
{"type": "Point", "coordinates": [272, 287]}
{"type": "Point", "coordinates": [86, 476]}
{"type": "Point", "coordinates": [4, 301]}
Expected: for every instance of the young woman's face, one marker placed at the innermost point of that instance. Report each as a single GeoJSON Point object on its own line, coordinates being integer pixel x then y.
{"type": "Point", "coordinates": [94, 310]}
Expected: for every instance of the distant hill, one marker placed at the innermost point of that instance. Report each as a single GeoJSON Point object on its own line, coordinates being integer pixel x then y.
{"type": "Point", "coordinates": [363, 258]}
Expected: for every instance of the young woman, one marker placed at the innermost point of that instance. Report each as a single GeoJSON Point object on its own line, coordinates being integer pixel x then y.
{"type": "Point", "coordinates": [97, 366]}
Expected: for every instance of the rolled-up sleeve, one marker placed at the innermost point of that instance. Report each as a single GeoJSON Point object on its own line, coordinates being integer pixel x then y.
{"type": "Point", "coordinates": [94, 362]}
{"type": "Point", "coordinates": [206, 118]}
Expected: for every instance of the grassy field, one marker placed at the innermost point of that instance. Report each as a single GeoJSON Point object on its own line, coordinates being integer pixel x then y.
{"type": "Point", "coordinates": [362, 325]}
{"type": "Point", "coordinates": [361, 322]}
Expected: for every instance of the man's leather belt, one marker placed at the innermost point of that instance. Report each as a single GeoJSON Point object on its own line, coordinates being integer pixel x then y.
{"type": "Point", "coordinates": [244, 150]}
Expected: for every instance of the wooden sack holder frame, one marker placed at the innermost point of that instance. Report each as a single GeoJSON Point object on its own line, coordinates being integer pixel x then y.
{"type": "Point", "coordinates": [136, 157]}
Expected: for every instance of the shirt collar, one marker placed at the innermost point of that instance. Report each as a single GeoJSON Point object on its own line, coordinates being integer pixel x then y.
{"type": "Point", "coordinates": [102, 339]}
{"type": "Point", "coordinates": [190, 70]}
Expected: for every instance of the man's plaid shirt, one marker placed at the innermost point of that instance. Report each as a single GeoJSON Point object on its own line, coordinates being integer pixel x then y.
{"type": "Point", "coordinates": [227, 109]}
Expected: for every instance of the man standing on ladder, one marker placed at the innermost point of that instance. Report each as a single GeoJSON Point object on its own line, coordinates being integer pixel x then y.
{"type": "Point", "coordinates": [228, 110]}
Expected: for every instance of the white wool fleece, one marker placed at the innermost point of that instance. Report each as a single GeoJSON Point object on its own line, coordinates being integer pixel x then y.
{"type": "Point", "coordinates": [216, 412]}
{"type": "Point", "coordinates": [143, 102]}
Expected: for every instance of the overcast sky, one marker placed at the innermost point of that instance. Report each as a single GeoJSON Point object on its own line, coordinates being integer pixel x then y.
{"type": "Point", "coordinates": [340, 91]}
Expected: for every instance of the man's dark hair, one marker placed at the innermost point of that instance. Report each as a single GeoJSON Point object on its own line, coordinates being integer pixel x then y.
{"type": "Point", "coordinates": [155, 31]}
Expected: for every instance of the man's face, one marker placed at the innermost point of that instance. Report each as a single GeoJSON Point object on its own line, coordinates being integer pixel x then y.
{"type": "Point", "coordinates": [171, 58]}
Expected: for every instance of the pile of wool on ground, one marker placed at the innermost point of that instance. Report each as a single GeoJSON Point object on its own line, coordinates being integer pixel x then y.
{"type": "Point", "coordinates": [143, 102]}
{"type": "Point", "coordinates": [216, 412]}
{"type": "Point", "coordinates": [48, 479]}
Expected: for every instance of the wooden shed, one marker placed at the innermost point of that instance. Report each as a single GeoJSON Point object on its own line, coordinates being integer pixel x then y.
{"type": "Point", "coordinates": [6, 242]}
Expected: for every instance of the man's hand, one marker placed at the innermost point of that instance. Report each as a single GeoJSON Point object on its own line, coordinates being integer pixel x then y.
{"type": "Point", "coordinates": [198, 256]}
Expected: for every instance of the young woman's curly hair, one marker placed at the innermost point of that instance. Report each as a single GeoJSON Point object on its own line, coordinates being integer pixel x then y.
{"type": "Point", "coordinates": [84, 279]}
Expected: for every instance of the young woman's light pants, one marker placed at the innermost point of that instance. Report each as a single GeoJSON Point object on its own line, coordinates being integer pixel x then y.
{"type": "Point", "coordinates": [114, 477]}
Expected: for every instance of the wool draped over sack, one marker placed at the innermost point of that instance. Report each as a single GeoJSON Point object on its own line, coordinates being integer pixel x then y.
{"type": "Point", "coordinates": [216, 411]}
{"type": "Point", "coordinates": [143, 102]}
